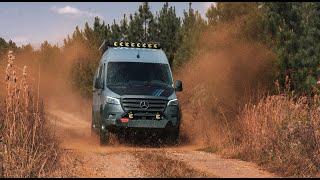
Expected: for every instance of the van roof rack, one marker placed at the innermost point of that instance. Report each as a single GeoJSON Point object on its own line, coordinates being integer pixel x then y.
{"type": "Point", "coordinates": [151, 45]}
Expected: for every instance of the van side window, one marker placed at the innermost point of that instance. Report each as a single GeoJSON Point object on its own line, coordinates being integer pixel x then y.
{"type": "Point", "coordinates": [100, 75]}
{"type": "Point", "coordinates": [100, 72]}
{"type": "Point", "coordinates": [103, 75]}
{"type": "Point", "coordinates": [96, 74]}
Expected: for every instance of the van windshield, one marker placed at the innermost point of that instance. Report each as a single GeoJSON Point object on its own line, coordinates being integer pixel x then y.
{"type": "Point", "coordinates": [123, 73]}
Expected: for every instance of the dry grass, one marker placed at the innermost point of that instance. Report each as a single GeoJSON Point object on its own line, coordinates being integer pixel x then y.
{"type": "Point", "coordinates": [28, 148]}
{"type": "Point", "coordinates": [281, 132]}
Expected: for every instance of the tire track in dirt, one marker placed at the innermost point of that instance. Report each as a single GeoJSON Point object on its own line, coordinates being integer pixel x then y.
{"type": "Point", "coordinates": [215, 165]}
{"type": "Point", "coordinates": [84, 157]}
{"type": "Point", "coordinates": [156, 163]}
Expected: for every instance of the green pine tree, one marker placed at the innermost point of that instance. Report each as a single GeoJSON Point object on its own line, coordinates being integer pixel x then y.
{"type": "Point", "coordinates": [193, 25]}
{"type": "Point", "coordinates": [169, 27]}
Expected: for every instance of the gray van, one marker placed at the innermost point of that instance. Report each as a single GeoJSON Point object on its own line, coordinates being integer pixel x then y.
{"type": "Point", "coordinates": [133, 89]}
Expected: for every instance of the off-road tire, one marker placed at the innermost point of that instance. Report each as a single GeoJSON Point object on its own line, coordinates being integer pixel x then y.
{"type": "Point", "coordinates": [93, 132]}
{"type": "Point", "coordinates": [104, 136]}
{"type": "Point", "coordinates": [172, 136]}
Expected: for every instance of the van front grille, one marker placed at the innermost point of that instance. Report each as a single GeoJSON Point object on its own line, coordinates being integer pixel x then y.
{"type": "Point", "coordinates": [144, 108]}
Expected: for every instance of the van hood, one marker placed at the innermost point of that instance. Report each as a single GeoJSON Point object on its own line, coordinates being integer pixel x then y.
{"type": "Point", "coordinates": [148, 90]}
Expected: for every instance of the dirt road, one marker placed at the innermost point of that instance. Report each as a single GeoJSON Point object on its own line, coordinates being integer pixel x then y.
{"type": "Point", "coordinates": [84, 157]}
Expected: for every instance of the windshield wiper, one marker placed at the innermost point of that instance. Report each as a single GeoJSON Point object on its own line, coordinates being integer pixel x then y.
{"type": "Point", "coordinates": [138, 83]}
{"type": "Point", "coordinates": [116, 84]}
{"type": "Point", "coordinates": [158, 83]}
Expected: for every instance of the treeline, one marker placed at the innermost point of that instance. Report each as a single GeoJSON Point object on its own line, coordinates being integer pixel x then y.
{"type": "Point", "coordinates": [294, 29]}
{"type": "Point", "coordinates": [176, 36]}
{"type": "Point", "coordinates": [5, 46]}
{"type": "Point", "coordinates": [290, 29]}
{"type": "Point", "coordinates": [163, 27]}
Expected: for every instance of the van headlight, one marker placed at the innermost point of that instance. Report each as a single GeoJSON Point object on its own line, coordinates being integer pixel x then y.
{"type": "Point", "coordinates": [112, 100]}
{"type": "Point", "coordinates": [173, 102]}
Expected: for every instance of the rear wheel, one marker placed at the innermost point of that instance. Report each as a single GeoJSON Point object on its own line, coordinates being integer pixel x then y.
{"type": "Point", "coordinates": [93, 132]}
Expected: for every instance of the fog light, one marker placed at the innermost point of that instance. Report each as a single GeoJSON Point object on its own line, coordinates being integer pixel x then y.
{"type": "Point", "coordinates": [124, 120]}
{"type": "Point", "coordinates": [158, 116]}
{"type": "Point", "coordinates": [111, 116]}
{"type": "Point", "coordinates": [130, 115]}
{"type": "Point", "coordinates": [103, 127]}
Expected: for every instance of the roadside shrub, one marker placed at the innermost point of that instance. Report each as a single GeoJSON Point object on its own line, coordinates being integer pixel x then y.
{"type": "Point", "coordinates": [281, 132]}
{"type": "Point", "coordinates": [28, 148]}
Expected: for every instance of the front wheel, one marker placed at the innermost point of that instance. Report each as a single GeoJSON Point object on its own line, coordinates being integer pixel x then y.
{"type": "Point", "coordinates": [104, 136]}
{"type": "Point", "coordinates": [172, 136]}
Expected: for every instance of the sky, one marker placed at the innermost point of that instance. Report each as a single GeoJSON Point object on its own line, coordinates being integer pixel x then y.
{"type": "Point", "coordinates": [35, 22]}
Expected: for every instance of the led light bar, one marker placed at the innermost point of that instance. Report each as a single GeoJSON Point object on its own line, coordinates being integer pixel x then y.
{"type": "Point", "coordinates": [104, 46]}
{"type": "Point", "coordinates": [135, 44]}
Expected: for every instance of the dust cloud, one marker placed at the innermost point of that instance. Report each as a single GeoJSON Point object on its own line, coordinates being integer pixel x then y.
{"type": "Point", "coordinates": [218, 80]}
{"type": "Point", "coordinates": [54, 78]}
{"type": "Point", "coordinates": [225, 73]}
{"type": "Point", "coordinates": [72, 112]}
{"type": "Point", "coordinates": [50, 76]}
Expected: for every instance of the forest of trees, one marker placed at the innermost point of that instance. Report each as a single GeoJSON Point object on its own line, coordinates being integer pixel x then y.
{"type": "Point", "coordinates": [291, 30]}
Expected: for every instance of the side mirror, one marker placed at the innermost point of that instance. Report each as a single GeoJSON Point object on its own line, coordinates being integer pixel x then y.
{"type": "Point", "coordinates": [178, 85]}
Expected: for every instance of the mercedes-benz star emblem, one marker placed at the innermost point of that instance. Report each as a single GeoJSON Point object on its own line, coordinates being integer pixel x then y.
{"type": "Point", "coordinates": [144, 104]}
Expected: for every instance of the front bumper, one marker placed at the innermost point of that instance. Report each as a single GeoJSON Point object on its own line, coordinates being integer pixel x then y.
{"type": "Point", "coordinates": [113, 113]}
{"type": "Point", "coordinates": [139, 123]}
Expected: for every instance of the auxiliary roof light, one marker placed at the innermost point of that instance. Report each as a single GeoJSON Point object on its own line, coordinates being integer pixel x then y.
{"type": "Point", "coordinates": [135, 45]}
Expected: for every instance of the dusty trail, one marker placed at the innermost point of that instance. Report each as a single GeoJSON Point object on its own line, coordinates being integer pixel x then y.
{"type": "Point", "coordinates": [84, 156]}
